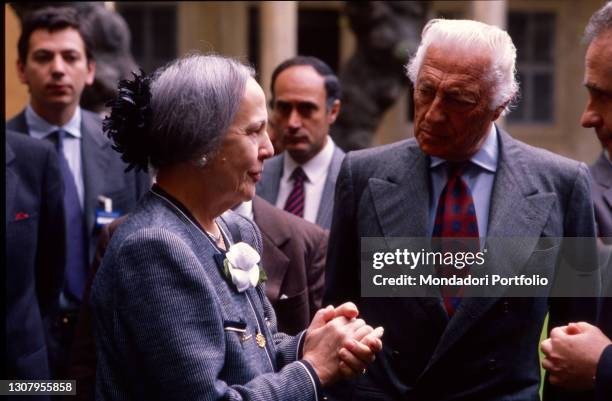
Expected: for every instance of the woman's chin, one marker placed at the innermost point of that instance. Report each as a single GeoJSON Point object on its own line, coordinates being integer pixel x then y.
{"type": "Point", "coordinates": [247, 194]}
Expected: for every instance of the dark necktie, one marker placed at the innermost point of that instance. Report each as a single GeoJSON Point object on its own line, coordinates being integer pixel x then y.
{"type": "Point", "coordinates": [455, 218]}
{"type": "Point", "coordinates": [295, 201]}
{"type": "Point", "coordinates": [76, 263]}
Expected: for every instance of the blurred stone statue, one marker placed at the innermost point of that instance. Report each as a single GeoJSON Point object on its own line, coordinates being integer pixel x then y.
{"type": "Point", "coordinates": [110, 45]}
{"type": "Point", "coordinates": [373, 78]}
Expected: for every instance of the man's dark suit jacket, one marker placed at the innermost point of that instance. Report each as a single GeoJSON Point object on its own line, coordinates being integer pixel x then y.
{"type": "Point", "coordinates": [294, 260]}
{"type": "Point", "coordinates": [489, 349]}
{"type": "Point", "coordinates": [103, 173]}
{"type": "Point", "coordinates": [35, 252]}
{"type": "Point", "coordinates": [601, 188]}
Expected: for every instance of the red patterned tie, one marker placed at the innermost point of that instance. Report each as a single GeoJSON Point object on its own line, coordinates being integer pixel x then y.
{"type": "Point", "coordinates": [295, 201]}
{"type": "Point", "coordinates": [455, 218]}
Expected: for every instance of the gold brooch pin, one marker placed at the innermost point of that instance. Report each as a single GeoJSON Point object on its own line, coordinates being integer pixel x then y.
{"type": "Point", "coordinates": [260, 340]}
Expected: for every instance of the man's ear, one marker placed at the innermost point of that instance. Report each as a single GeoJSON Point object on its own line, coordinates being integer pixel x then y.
{"type": "Point", "coordinates": [21, 72]}
{"type": "Point", "coordinates": [333, 113]}
{"type": "Point", "coordinates": [499, 110]}
{"type": "Point", "coordinates": [91, 72]}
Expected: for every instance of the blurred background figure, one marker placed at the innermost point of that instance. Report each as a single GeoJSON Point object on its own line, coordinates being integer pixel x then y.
{"type": "Point", "coordinates": [35, 254]}
{"type": "Point", "coordinates": [55, 62]}
{"type": "Point", "coordinates": [305, 103]}
{"type": "Point", "coordinates": [109, 38]}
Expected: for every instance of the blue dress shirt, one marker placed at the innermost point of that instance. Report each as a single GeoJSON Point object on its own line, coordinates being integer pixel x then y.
{"type": "Point", "coordinates": [478, 176]}
{"type": "Point", "coordinates": [39, 128]}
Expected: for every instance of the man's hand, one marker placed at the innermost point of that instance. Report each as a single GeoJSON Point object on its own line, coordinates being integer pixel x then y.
{"type": "Point", "coordinates": [572, 353]}
{"type": "Point", "coordinates": [338, 345]}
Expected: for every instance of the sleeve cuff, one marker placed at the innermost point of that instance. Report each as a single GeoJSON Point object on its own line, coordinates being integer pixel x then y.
{"type": "Point", "coordinates": [314, 378]}
{"type": "Point", "coordinates": [603, 377]}
{"type": "Point", "coordinates": [300, 347]}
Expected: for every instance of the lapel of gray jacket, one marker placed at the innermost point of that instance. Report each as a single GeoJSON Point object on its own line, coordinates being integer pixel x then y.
{"type": "Point", "coordinates": [324, 214]}
{"type": "Point", "coordinates": [518, 209]}
{"type": "Point", "coordinates": [401, 203]}
{"type": "Point", "coordinates": [267, 188]}
{"type": "Point", "coordinates": [95, 159]}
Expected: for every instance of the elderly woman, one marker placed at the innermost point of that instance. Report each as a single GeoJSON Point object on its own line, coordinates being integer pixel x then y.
{"type": "Point", "coordinates": [179, 309]}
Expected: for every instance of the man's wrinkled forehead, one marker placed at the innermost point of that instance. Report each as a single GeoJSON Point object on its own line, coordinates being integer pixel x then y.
{"type": "Point", "coordinates": [473, 65]}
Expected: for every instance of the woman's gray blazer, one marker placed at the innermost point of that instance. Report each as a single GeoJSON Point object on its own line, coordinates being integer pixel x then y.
{"type": "Point", "coordinates": [169, 326]}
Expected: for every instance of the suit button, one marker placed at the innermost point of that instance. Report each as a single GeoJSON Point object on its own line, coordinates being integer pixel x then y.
{"type": "Point", "coordinates": [492, 364]}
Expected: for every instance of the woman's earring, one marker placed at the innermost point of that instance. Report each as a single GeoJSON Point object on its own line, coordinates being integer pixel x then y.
{"type": "Point", "coordinates": [202, 161]}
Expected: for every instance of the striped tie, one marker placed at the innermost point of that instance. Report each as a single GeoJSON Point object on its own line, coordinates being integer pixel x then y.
{"type": "Point", "coordinates": [295, 201]}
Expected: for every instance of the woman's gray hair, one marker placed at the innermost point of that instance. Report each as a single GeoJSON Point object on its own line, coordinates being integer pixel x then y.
{"type": "Point", "coordinates": [599, 23]}
{"type": "Point", "coordinates": [470, 35]}
{"type": "Point", "coordinates": [194, 100]}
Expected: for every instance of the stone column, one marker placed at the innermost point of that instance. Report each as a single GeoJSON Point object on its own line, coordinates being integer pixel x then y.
{"type": "Point", "coordinates": [15, 93]}
{"type": "Point", "coordinates": [491, 12]}
{"type": "Point", "coordinates": [278, 33]}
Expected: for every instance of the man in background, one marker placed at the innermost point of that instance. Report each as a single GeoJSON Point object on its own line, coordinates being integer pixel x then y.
{"type": "Point", "coordinates": [56, 63]}
{"type": "Point", "coordinates": [305, 103]}
{"type": "Point", "coordinates": [35, 254]}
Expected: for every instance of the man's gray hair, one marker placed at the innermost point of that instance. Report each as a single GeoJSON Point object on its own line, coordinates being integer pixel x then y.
{"type": "Point", "coordinates": [599, 23]}
{"type": "Point", "coordinates": [470, 35]}
{"type": "Point", "coordinates": [194, 100]}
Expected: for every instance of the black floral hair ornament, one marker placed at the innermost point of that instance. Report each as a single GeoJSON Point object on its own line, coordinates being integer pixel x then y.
{"type": "Point", "coordinates": [129, 122]}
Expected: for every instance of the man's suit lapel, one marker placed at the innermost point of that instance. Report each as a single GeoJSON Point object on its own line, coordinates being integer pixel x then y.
{"type": "Point", "coordinates": [518, 210]}
{"type": "Point", "coordinates": [273, 171]}
{"type": "Point", "coordinates": [324, 214]}
{"type": "Point", "coordinates": [402, 200]}
{"type": "Point", "coordinates": [95, 159]}
{"type": "Point", "coordinates": [401, 203]}
{"type": "Point", "coordinates": [11, 184]}
{"type": "Point", "coordinates": [279, 236]}
{"type": "Point", "coordinates": [18, 123]}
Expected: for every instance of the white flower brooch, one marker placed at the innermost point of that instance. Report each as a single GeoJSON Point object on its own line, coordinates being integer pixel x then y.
{"type": "Point", "coordinates": [241, 266]}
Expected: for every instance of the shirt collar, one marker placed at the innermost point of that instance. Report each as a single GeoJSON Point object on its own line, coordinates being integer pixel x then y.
{"type": "Point", "coordinates": [315, 168]}
{"type": "Point", "coordinates": [39, 128]}
{"type": "Point", "coordinates": [485, 158]}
